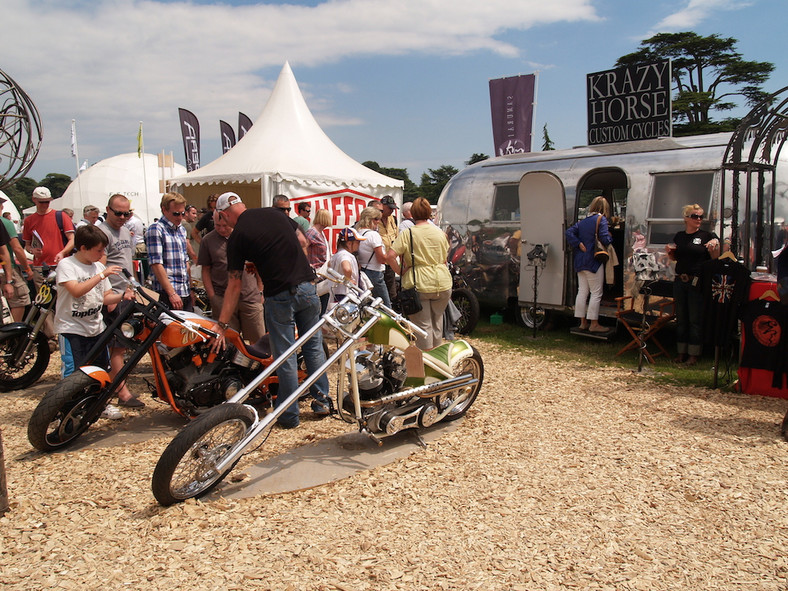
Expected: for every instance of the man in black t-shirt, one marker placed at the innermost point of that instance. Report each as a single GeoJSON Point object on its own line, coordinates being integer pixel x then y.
{"type": "Point", "coordinates": [270, 239]}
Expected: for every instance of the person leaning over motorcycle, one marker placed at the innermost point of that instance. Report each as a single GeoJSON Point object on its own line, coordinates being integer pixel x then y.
{"type": "Point", "coordinates": [271, 240]}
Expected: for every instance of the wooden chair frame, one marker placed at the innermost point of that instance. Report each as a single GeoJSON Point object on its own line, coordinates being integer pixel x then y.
{"type": "Point", "coordinates": [656, 318]}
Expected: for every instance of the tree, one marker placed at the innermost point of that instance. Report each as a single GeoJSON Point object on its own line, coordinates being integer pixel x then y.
{"type": "Point", "coordinates": [547, 143]}
{"type": "Point", "coordinates": [56, 183]}
{"type": "Point", "coordinates": [432, 184]}
{"type": "Point", "coordinates": [21, 191]}
{"type": "Point", "coordinates": [409, 191]}
{"type": "Point", "coordinates": [707, 72]}
{"type": "Point", "coordinates": [476, 158]}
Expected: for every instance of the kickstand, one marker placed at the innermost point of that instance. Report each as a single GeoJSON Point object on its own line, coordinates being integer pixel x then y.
{"type": "Point", "coordinates": [419, 439]}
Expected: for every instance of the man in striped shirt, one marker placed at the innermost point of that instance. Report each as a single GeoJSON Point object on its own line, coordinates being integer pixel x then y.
{"type": "Point", "coordinates": [168, 254]}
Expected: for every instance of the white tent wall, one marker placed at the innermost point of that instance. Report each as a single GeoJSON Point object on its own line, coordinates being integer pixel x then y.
{"type": "Point", "coordinates": [286, 152]}
{"type": "Point", "coordinates": [9, 206]}
{"type": "Point", "coordinates": [122, 174]}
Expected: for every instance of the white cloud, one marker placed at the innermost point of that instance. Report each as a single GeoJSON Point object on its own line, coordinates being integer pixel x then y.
{"type": "Point", "coordinates": [112, 63]}
{"type": "Point", "coordinates": [696, 12]}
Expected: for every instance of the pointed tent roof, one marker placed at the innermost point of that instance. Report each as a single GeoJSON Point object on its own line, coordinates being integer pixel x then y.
{"type": "Point", "coordinates": [286, 142]}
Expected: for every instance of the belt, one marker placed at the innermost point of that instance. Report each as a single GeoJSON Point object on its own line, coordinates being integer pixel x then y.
{"type": "Point", "coordinates": [686, 278]}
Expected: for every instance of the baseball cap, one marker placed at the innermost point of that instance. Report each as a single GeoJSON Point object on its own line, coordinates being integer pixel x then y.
{"type": "Point", "coordinates": [349, 234]}
{"type": "Point", "coordinates": [389, 200]}
{"type": "Point", "coordinates": [42, 193]}
{"type": "Point", "coordinates": [227, 200]}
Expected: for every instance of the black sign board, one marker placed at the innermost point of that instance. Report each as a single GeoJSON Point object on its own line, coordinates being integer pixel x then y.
{"type": "Point", "coordinates": [630, 103]}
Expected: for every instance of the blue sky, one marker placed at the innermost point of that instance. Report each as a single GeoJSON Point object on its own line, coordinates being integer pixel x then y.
{"type": "Point", "coordinates": [402, 83]}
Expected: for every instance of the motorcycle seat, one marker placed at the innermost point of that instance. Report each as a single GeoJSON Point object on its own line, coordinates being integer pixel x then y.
{"type": "Point", "coordinates": [262, 348]}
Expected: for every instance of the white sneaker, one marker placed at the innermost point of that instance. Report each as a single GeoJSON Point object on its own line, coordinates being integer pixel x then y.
{"type": "Point", "coordinates": [111, 412]}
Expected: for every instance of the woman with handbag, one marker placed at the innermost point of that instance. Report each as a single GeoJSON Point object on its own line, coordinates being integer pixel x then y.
{"type": "Point", "coordinates": [371, 253]}
{"type": "Point", "coordinates": [588, 237]}
{"type": "Point", "coordinates": [317, 250]}
{"type": "Point", "coordinates": [423, 249]}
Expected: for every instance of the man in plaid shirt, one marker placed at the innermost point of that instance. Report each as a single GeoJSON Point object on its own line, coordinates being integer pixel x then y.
{"type": "Point", "coordinates": [168, 255]}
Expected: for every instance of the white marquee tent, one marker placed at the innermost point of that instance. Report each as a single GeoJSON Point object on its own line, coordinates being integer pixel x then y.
{"type": "Point", "coordinates": [9, 206]}
{"type": "Point", "coordinates": [287, 152]}
{"type": "Point", "coordinates": [120, 174]}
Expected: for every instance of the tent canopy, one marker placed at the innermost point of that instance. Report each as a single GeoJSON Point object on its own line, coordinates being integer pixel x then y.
{"type": "Point", "coordinates": [285, 152]}
{"type": "Point", "coordinates": [120, 174]}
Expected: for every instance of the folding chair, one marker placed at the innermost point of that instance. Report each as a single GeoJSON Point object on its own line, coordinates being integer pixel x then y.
{"type": "Point", "coordinates": [644, 326]}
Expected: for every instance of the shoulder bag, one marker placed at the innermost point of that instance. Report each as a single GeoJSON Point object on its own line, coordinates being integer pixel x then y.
{"type": "Point", "coordinates": [409, 300]}
{"type": "Point", "coordinates": [600, 252]}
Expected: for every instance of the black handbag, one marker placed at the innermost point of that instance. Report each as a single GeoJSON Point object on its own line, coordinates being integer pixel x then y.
{"type": "Point", "coordinates": [409, 300]}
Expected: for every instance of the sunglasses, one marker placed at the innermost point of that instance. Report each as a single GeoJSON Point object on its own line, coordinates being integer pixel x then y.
{"type": "Point", "coordinates": [178, 213]}
{"type": "Point", "coordinates": [696, 216]}
{"type": "Point", "coordinates": [287, 209]}
{"type": "Point", "coordinates": [122, 214]}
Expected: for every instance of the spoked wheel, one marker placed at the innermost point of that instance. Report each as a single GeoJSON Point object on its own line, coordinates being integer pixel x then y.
{"type": "Point", "coordinates": [468, 306]}
{"type": "Point", "coordinates": [186, 469]}
{"type": "Point", "coordinates": [65, 412]}
{"type": "Point", "coordinates": [466, 396]}
{"type": "Point", "coordinates": [19, 371]}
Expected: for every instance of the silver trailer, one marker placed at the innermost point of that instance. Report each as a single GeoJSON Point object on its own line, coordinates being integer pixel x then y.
{"type": "Point", "coordinates": [497, 211]}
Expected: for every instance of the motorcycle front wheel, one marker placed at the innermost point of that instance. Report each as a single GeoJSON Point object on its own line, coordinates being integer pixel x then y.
{"type": "Point", "coordinates": [65, 412]}
{"type": "Point", "coordinates": [17, 373]}
{"type": "Point", "coordinates": [186, 468]}
{"type": "Point", "coordinates": [468, 306]}
{"type": "Point", "coordinates": [466, 396]}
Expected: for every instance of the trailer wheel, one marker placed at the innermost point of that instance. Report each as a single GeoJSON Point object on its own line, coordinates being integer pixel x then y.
{"type": "Point", "coordinates": [530, 317]}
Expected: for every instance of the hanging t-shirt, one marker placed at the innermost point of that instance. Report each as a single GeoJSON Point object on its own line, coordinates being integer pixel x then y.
{"type": "Point", "coordinates": [726, 285]}
{"type": "Point", "coordinates": [763, 323]}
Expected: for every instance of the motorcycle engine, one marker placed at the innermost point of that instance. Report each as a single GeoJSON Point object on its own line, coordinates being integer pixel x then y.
{"type": "Point", "coordinates": [379, 375]}
{"type": "Point", "coordinates": [198, 383]}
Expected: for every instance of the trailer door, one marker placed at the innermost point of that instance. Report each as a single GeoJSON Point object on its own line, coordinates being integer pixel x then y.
{"type": "Point", "coordinates": [542, 211]}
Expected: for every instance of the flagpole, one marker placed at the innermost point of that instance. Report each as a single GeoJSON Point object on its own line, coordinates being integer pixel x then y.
{"type": "Point", "coordinates": [75, 154]}
{"type": "Point", "coordinates": [141, 154]}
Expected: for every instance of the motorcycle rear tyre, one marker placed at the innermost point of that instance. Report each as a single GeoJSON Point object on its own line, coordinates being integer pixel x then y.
{"type": "Point", "coordinates": [33, 369]}
{"type": "Point", "coordinates": [229, 422]}
{"type": "Point", "coordinates": [64, 413]}
{"type": "Point", "coordinates": [468, 305]}
{"type": "Point", "coordinates": [469, 365]}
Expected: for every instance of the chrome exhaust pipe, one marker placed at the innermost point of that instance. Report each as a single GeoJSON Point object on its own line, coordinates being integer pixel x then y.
{"type": "Point", "coordinates": [425, 391]}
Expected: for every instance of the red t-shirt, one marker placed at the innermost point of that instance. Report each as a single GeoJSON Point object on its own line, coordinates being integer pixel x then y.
{"type": "Point", "coordinates": [48, 231]}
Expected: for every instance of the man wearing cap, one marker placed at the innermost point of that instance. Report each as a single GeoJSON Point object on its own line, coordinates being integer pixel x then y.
{"type": "Point", "coordinates": [168, 254]}
{"type": "Point", "coordinates": [388, 232]}
{"type": "Point", "coordinates": [49, 237]}
{"type": "Point", "coordinates": [21, 292]}
{"type": "Point", "coordinates": [276, 246]}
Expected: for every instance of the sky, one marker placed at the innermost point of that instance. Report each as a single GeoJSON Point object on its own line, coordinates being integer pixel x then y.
{"type": "Point", "coordinates": [403, 83]}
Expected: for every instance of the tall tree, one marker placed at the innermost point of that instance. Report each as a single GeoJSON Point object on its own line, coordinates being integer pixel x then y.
{"type": "Point", "coordinates": [21, 191]}
{"type": "Point", "coordinates": [433, 181]}
{"type": "Point", "coordinates": [547, 143]}
{"type": "Point", "coordinates": [707, 72]}
{"type": "Point", "coordinates": [57, 184]}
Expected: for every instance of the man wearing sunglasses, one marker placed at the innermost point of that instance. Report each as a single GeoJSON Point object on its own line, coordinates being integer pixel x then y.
{"type": "Point", "coordinates": [168, 254]}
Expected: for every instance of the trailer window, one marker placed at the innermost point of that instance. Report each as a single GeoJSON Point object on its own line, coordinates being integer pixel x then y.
{"type": "Point", "coordinates": [671, 193]}
{"type": "Point", "coordinates": [506, 205]}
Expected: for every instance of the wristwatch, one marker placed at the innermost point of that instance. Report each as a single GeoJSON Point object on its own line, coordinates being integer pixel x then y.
{"type": "Point", "coordinates": [222, 325]}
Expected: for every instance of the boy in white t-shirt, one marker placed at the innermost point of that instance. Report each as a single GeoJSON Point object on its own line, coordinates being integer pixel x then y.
{"type": "Point", "coordinates": [82, 289]}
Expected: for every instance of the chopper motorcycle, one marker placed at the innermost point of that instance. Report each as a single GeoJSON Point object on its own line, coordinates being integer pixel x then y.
{"type": "Point", "coordinates": [385, 384]}
{"type": "Point", "coordinates": [188, 375]}
{"type": "Point", "coordinates": [24, 348]}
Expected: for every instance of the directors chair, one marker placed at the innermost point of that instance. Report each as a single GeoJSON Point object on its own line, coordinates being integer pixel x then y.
{"type": "Point", "coordinates": [644, 325]}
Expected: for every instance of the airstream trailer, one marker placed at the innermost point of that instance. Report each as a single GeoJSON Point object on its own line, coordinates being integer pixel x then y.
{"type": "Point", "coordinates": [497, 211]}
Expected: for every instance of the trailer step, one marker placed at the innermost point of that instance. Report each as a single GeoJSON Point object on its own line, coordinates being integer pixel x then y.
{"type": "Point", "coordinates": [599, 336]}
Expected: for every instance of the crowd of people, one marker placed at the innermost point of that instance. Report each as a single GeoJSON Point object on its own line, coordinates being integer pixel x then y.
{"type": "Point", "coordinates": [258, 268]}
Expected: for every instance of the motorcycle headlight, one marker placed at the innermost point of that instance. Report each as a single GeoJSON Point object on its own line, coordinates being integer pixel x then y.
{"type": "Point", "coordinates": [346, 312]}
{"type": "Point", "coordinates": [131, 328]}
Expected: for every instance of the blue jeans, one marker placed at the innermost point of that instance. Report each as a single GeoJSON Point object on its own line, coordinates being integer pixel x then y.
{"type": "Point", "coordinates": [283, 313]}
{"type": "Point", "coordinates": [379, 289]}
{"type": "Point", "coordinates": [689, 317]}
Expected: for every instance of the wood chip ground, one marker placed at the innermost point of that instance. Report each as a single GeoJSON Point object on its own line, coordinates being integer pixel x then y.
{"type": "Point", "coordinates": [561, 477]}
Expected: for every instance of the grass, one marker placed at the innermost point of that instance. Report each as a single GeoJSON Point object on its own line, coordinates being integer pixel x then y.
{"type": "Point", "coordinates": [557, 342]}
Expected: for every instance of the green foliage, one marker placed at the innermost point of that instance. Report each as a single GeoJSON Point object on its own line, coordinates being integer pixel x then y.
{"type": "Point", "coordinates": [21, 191]}
{"type": "Point", "coordinates": [707, 72]}
{"type": "Point", "coordinates": [547, 143]}
{"type": "Point", "coordinates": [433, 181]}
{"type": "Point", "coordinates": [410, 190]}
{"type": "Point", "coordinates": [56, 183]}
{"type": "Point", "coordinates": [476, 158]}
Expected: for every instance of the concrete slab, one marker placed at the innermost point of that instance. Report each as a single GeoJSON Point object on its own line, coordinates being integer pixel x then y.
{"type": "Point", "coordinates": [326, 461]}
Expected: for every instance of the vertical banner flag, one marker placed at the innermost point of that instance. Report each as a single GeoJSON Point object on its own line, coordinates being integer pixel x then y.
{"type": "Point", "coordinates": [139, 142]}
{"type": "Point", "coordinates": [244, 125]}
{"type": "Point", "coordinates": [227, 134]}
{"type": "Point", "coordinates": [74, 138]}
{"type": "Point", "coordinates": [512, 108]}
{"type": "Point", "coordinates": [190, 129]}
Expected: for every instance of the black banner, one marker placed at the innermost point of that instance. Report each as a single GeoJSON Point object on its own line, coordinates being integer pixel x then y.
{"type": "Point", "coordinates": [190, 129]}
{"type": "Point", "coordinates": [227, 134]}
{"type": "Point", "coordinates": [244, 125]}
{"type": "Point", "coordinates": [512, 108]}
{"type": "Point", "coordinates": [629, 104]}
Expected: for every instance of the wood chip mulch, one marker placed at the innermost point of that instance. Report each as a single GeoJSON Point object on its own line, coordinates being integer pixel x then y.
{"type": "Point", "coordinates": [560, 477]}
